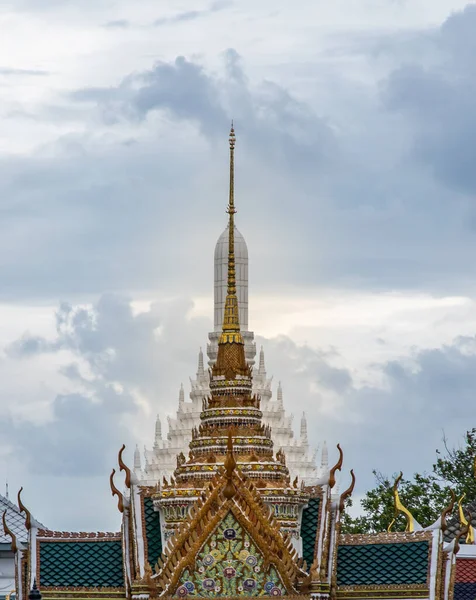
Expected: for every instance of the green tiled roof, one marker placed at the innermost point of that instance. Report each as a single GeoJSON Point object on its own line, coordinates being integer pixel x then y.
{"type": "Point", "coordinates": [309, 530]}
{"type": "Point", "coordinates": [152, 532]}
{"type": "Point", "coordinates": [383, 564]}
{"type": "Point", "coordinates": [81, 564]}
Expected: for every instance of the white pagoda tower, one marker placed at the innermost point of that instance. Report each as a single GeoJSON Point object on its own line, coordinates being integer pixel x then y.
{"type": "Point", "coordinates": [161, 460]}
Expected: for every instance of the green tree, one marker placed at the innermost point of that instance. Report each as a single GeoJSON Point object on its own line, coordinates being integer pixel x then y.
{"type": "Point", "coordinates": [425, 495]}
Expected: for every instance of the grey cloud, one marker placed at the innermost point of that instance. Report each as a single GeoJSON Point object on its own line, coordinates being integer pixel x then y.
{"type": "Point", "coordinates": [436, 94]}
{"type": "Point", "coordinates": [192, 15]}
{"type": "Point", "coordinates": [80, 437]}
{"type": "Point", "coordinates": [117, 24]}
{"type": "Point", "coordinates": [152, 352]}
{"type": "Point", "coordinates": [29, 345]}
{"type": "Point", "coordinates": [115, 356]}
{"type": "Point", "coordinates": [93, 209]}
{"type": "Point", "coordinates": [308, 363]}
{"type": "Point", "coordinates": [272, 121]}
{"type": "Point", "coordinates": [184, 16]}
{"type": "Point", "coordinates": [47, 5]}
{"type": "Point", "coordinates": [396, 427]}
{"type": "Point", "coordinates": [343, 202]}
{"type": "Point", "coordinates": [359, 190]}
{"type": "Point", "coordinates": [8, 71]}
{"type": "Point", "coordinates": [182, 88]}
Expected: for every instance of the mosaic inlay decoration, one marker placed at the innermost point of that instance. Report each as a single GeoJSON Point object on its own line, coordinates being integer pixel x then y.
{"type": "Point", "coordinates": [230, 564]}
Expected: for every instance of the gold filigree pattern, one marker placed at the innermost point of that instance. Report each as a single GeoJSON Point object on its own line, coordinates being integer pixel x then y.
{"type": "Point", "coordinates": [205, 516]}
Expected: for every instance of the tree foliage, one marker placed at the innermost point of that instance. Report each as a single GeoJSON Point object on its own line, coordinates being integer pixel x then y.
{"type": "Point", "coordinates": [425, 495]}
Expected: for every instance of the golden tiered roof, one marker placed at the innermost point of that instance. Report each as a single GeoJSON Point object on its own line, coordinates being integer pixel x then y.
{"type": "Point", "coordinates": [230, 526]}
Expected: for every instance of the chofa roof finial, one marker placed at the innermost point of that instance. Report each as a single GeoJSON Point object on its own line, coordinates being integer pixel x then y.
{"type": "Point", "coordinates": [124, 467]}
{"type": "Point", "coordinates": [116, 492]}
{"type": "Point", "coordinates": [9, 532]}
{"type": "Point", "coordinates": [23, 509]}
{"type": "Point", "coordinates": [399, 508]}
{"type": "Point", "coordinates": [336, 467]}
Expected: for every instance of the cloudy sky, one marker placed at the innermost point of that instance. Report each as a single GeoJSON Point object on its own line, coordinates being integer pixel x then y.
{"type": "Point", "coordinates": [355, 183]}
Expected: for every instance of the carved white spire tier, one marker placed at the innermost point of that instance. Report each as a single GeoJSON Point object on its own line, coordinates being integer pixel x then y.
{"type": "Point", "coordinates": [137, 461]}
{"type": "Point", "coordinates": [201, 368]}
{"type": "Point", "coordinates": [262, 368]}
{"type": "Point", "coordinates": [280, 396]}
{"type": "Point", "coordinates": [301, 461]}
{"type": "Point", "coordinates": [304, 429]}
{"type": "Point", "coordinates": [325, 456]}
{"type": "Point", "coordinates": [158, 431]}
{"type": "Point", "coordinates": [181, 395]}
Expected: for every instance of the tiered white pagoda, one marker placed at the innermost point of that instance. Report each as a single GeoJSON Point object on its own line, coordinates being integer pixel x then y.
{"type": "Point", "coordinates": [161, 460]}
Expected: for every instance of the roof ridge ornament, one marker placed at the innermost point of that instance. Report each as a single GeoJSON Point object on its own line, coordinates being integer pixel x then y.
{"type": "Point", "coordinates": [347, 493]}
{"type": "Point", "coordinates": [9, 532]}
{"type": "Point", "coordinates": [336, 467]}
{"type": "Point", "coordinates": [464, 531]}
{"type": "Point", "coordinates": [412, 523]}
{"type": "Point", "coordinates": [124, 467]}
{"type": "Point", "coordinates": [465, 522]}
{"type": "Point", "coordinates": [116, 492]}
{"type": "Point", "coordinates": [23, 509]}
{"type": "Point", "coordinates": [447, 511]}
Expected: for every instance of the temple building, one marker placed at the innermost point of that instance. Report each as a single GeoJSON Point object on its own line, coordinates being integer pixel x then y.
{"type": "Point", "coordinates": [233, 520]}
{"type": "Point", "coordinates": [160, 460]}
{"type": "Point", "coordinates": [16, 522]}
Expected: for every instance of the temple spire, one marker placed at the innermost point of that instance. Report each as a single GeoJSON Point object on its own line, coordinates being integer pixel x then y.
{"type": "Point", "coordinates": [201, 369]}
{"type": "Point", "coordinates": [304, 429]}
{"type": "Point", "coordinates": [325, 456]}
{"type": "Point", "coordinates": [158, 429]}
{"type": "Point", "coordinates": [262, 368]}
{"type": "Point", "coordinates": [280, 396]}
{"type": "Point", "coordinates": [181, 395]}
{"type": "Point", "coordinates": [137, 461]}
{"type": "Point", "coordinates": [231, 323]}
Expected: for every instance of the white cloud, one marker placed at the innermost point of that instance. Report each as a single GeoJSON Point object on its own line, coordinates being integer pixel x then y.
{"type": "Point", "coordinates": [120, 373]}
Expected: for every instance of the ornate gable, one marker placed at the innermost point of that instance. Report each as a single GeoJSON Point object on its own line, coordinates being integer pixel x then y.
{"type": "Point", "coordinates": [230, 564]}
{"type": "Point", "coordinates": [230, 545]}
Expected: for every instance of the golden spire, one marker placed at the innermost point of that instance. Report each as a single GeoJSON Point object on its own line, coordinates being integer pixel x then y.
{"type": "Point", "coordinates": [231, 322]}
